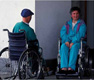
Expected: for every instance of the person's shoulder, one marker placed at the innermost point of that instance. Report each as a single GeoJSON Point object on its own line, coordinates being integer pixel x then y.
{"type": "Point", "coordinates": [31, 28]}
{"type": "Point", "coordinates": [18, 23]}
{"type": "Point", "coordinates": [28, 27]}
{"type": "Point", "coordinates": [81, 21]}
{"type": "Point", "coordinates": [68, 22]}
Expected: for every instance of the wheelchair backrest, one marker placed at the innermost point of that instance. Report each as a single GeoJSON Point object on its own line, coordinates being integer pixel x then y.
{"type": "Point", "coordinates": [17, 44]}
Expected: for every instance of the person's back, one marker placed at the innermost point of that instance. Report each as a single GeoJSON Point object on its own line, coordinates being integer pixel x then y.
{"type": "Point", "coordinates": [29, 31]}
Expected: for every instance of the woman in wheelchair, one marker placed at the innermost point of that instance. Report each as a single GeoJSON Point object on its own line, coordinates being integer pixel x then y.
{"type": "Point", "coordinates": [71, 34]}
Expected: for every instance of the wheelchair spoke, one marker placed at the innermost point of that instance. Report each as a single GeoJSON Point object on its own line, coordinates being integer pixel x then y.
{"type": "Point", "coordinates": [4, 60]}
{"type": "Point", "coordinates": [5, 57]}
{"type": "Point", "coordinates": [3, 68]}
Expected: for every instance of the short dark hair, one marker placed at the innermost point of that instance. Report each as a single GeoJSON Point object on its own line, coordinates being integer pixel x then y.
{"type": "Point", "coordinates": [75, 9]}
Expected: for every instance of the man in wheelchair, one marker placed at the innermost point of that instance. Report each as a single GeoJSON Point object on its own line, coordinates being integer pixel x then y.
{"type": "Point", "coordinates": [71, 34]}
{"type": "Point", "coordinates": [32, 41]}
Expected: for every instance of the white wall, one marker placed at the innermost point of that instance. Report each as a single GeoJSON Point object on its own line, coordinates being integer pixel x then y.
{"type": "Point", "coordinates": [10, 14]}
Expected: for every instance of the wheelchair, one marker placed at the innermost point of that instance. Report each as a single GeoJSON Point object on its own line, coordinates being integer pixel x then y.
{"type": "Point", "coordinates": [83, 64]}
{"type": "Point", "coordinates": [24, 62]}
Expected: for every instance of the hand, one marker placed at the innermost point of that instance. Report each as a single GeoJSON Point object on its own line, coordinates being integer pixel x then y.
{"type": "Point", "coordinates": [71, 45]}
{"type": "Point", "coordinates": [67, 44]}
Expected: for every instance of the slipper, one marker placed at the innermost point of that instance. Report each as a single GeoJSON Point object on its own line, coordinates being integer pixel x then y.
{"type": "Point", "coordinates": [70, 69]}
{"type": "Point", "coordinates": [64, 69]}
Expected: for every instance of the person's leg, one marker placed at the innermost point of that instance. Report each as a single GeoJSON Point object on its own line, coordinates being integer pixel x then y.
{"type": "Point", "coordinates": [73, 55]}
{"type": "Point", "coordinates": [64, 56]}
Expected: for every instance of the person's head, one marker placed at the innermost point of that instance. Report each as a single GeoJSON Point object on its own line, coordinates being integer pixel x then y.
{"type": "Point", "coordinates": [26, 15]}
{"type": "Point", "coordinates": [75, 13]}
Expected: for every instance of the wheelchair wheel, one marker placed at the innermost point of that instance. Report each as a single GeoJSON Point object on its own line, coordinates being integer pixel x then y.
{"type": "Point", "coordinates": [4, 60]}
{"type": "Point", "coordinates": [6, 67]}
{"type": "Point", "coordinates": [30, 65]}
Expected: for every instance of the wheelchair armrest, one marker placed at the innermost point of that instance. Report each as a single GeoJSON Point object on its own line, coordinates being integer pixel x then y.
{"type": "Point", "coordinates": [59, 40]}
{"type": "Point", "coordinates": [40, 50]}
{"type": "Point", "coordinates": [83, 39]}
{"type": "Point", "coordinates": [59, 43]}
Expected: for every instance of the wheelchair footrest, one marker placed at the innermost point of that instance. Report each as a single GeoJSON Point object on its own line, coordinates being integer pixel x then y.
{"type": "Point", "coordinates": [66, 72]}
{"type": "Point", "coordinates": [67, 75]}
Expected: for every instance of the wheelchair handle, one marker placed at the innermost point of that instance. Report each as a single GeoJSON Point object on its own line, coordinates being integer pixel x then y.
{"type": "Point", "coordinates": [21, 30]}
{"type": "Point", "coordinates": [5, 30]}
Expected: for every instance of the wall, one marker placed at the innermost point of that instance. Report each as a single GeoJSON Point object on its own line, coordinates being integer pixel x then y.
{"type": "Point", "coordinates": [50, 17]}
{"type": "Point", "coordinates": [10, 14]}
{"type": "Point", "coordinates": [90, 24]}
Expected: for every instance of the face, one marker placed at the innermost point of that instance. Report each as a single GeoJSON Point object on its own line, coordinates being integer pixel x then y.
{"type": "Point", "coordinates": [75, 15]}
{"type": "Point", "coordinates": [29, 18]}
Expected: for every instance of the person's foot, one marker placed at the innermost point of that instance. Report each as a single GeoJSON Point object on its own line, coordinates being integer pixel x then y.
{"type": "Point", "coordinates": [64, 69]}
{"type": "Point", "coordinates": [70, 69]}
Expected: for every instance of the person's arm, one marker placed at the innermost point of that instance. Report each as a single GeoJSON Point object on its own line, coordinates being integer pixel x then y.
{"type": "Point", "coordinates": [32, 38]}
{"type": "Point", "coordinates": [31, 34]}
{"type": "Point", "coordinates": [33, 43]}
{"type": "Point", "coordinates": [63, 34]}
{"type": "Point", "coordinates": [81, 33]}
